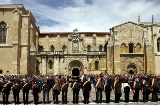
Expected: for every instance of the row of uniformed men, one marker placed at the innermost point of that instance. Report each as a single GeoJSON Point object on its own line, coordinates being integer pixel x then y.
{"type": "Point", "coordinates": [147, 85]}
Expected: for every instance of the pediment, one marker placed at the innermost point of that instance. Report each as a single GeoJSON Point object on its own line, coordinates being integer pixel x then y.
{"type": "Point", "coordinates": [129, 23]}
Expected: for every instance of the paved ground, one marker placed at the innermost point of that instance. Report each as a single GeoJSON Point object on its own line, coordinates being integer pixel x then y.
{"type": "Point", "coordinates": [92, 99]}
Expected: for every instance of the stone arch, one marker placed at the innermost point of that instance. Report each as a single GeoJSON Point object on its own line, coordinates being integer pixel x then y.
{"type": "Point", "coordinates": [131, 47]}
{"type": "Point", "coordinates": [77, 66]}
{"type": "Point", "coordinates": [158, 44]}
{"type": "Point", "coordinates": [138, 48]}
{"type": "Point", "coordinates": [132, 61]}
{"type": "Point", "coordinates": [123, 48]}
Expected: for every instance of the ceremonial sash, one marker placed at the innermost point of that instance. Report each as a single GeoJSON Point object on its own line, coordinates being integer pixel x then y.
{"type": "Point", "coordinates": [97, 83]}
{"type": "Point", "coordinates": [115, 83]}
{"type": "Point", "coordinates": [105, 87]}
{"type": "Point", "coordinates": [85, 83]}
{"type": "Point", "coordinates": [74, 85]}
{"type": "Point", "coordinates": [43, 85]}
{"type": "Point", "coordinates": [54, 86]}
{"type": "Point", "coordinates": [24, 85]}
{"type": "Point", "coordinates": [4, 86]}
{"type": "Point", "coordinates": [134, 84]}
{"type": "Point", "coordinates": [152, 82]}
{"type": "Point", "coordinates": [33, 86]}
{"type": "Point", "coordinates": [62, 87]}
{"type": "Point", "coordinates": [143, 83]}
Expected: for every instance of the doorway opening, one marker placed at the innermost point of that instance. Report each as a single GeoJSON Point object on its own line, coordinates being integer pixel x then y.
{"type": "Point", "coordinates": [131, 72]}
{"type": "Point", "coordinates": [75, 72]}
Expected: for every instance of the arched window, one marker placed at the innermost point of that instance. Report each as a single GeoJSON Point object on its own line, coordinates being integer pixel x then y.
{"type": "Point", "coordinates": [37, 65]}
{"type": "Point", "coordinates": [158, 44]}
{"type": "Point", "coordinates": [3, 31]}
{"type": "Point", "coordinates": [138, 48]}
{"type": "Point", "coordinates": [100, 48]}
{"type": "Point", "coordinates": [123, 48]}
{"type": "Point", "coordinates": [50, 64]}
{"type": "Point", "coordinates": [52, 48]}
{"type": "Point", "coordinates": [96, 65]}
{"type": "Point", "coordinates": [40, 48]}
{"type": "Point", "coordinates": [88, 48]}
{"type": "Point", "coordinates": [64, 48]}
{"type": "Point", "coordinates": [131, 47]}
{"type": "Point", "coordinates": [105, 47]}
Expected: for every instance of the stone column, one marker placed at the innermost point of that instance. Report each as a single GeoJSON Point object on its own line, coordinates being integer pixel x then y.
{"type": "Point", "coordinates": [109, 68]}
{"type": "Point", "coordinates": [44, 65]}
{"type": "Point", "coordinates": [16, 42]}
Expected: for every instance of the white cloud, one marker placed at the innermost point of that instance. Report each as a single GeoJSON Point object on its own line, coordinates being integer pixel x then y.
{"type": "Point", "coordinates": [5, 1]}
{"type": "Point", "coordinates": [100, 15]}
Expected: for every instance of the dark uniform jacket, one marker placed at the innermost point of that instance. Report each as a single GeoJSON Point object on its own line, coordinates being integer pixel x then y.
{"type": "Point", "coordinates": [117, 87]}
{"type": "Point", "coordinates": [86, 87]}
{"type": "Point", "coordinates": [76, 86]}
{"type": "Point", "coordinates": [64, 87]}
{"type": "Point", "coordinates": [26, 87]}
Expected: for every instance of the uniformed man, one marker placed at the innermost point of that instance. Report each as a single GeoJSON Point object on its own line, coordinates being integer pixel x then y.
{"type": "Point", "coordinates": [108, 88]}
{"type": "Point", "coordinates": [45, 89]}
{"type": "Point", "coordinates": [56, 92]}
{"type": "Point", "coordinates": [99, 89]}
{"type": "Point", "coordinates": [86, 88]}
{"type": "Point", "coordinates": [6, 91]}
{"type": "Point", "coordinates": [64, 90]}
{"type": "Point", "coordinates": [25, 90]}
{"type": "Point", "coordinates": [154, 87]}
{"type": "Point", "coordinates": [117, 89]}
{"type": "Point", "coordinates": [35, 89]}
{"type": "Point", "coordinates": [145, 89]}
{"type": "Point", "coordinates": [16, 90]}
{"type": "Point", "coordinates": [136, 88]}
{"type": "Point", "coordinates": [75, 88]}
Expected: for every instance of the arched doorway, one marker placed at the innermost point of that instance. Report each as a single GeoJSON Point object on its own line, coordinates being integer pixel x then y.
{"type": "Point", "coordinates": [75, 72]}
{"type": "Point", "coordinates": [75, 68]}
{"type": "Point", "coordinates": [131, 68]}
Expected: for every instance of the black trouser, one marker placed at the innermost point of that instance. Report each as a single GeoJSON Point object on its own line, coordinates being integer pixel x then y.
{"type": "Point", "coordinates": [55, 96]}
{"type": "Point", "coordinates": [25, 97]}
{"type": "Point", "coordinates": [64, 96]}
{"type": "Point", "coordinates": [5, 97]}
{"type": "Point", "coordinates": [145, 97]}
{"type": "Point", "coordinates": [75, 96]}
{"type": "Point", "coordinates": [126, 96]}
{"type": "Point", "coordinates": [16, 97]}
{"type": "Point", "coordinates": [154, 95]}
{"type": "Point", "coordinates": [136, 95]}
{"type": "Point", "coordinates": [99, 95]}
{"type": "Point", "coordinates": [117, 97]}
{"type": "Point", "coordinates": [86, 97]}
{"type": "Point", "coordinates": [46, 95]}
{"type": "Point", "coordinates": [36, 97]}
{"type": "Point", "coordinates": [108, 95]}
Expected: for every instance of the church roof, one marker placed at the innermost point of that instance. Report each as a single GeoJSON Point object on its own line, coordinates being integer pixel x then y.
{"type": "Point", "coordinates": [126, 23]}
{"type": "Point", "coordinates": [67, 33]}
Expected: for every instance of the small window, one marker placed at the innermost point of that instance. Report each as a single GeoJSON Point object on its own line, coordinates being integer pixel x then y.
{"type": "Point", "coordinates": [40, 48]}
{"type": "Point", "coordinates": [158, 44]}
{"type": "Point", "coordinates": [37, 65]}
{"type": "Point", "coordinates": [96, 65]}
{"type": "Point", "coordinates": [64, 48]}
{"type": "Point", "coordinates": [1, 71]}
{"type": "Point", "coordinates": [131, 48]}
{"type": "Point", "coordinates": [52, 48]}
{"type": "Point", "coordinates": [50, 64]}
{"type": "Point", "coordinates": [88, 48]}
{"type": "Point", "coordinates": [100, 48]}
{"type": "Point", "coordinates": [3, 31]}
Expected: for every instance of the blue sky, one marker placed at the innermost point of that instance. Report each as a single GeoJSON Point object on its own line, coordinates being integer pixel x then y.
{"type": "Point", "coordinates": [88, 15]}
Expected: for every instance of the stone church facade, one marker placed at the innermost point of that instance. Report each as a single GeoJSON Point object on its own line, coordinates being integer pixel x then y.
{"type": "Point", "coordinates": [127, 48]}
